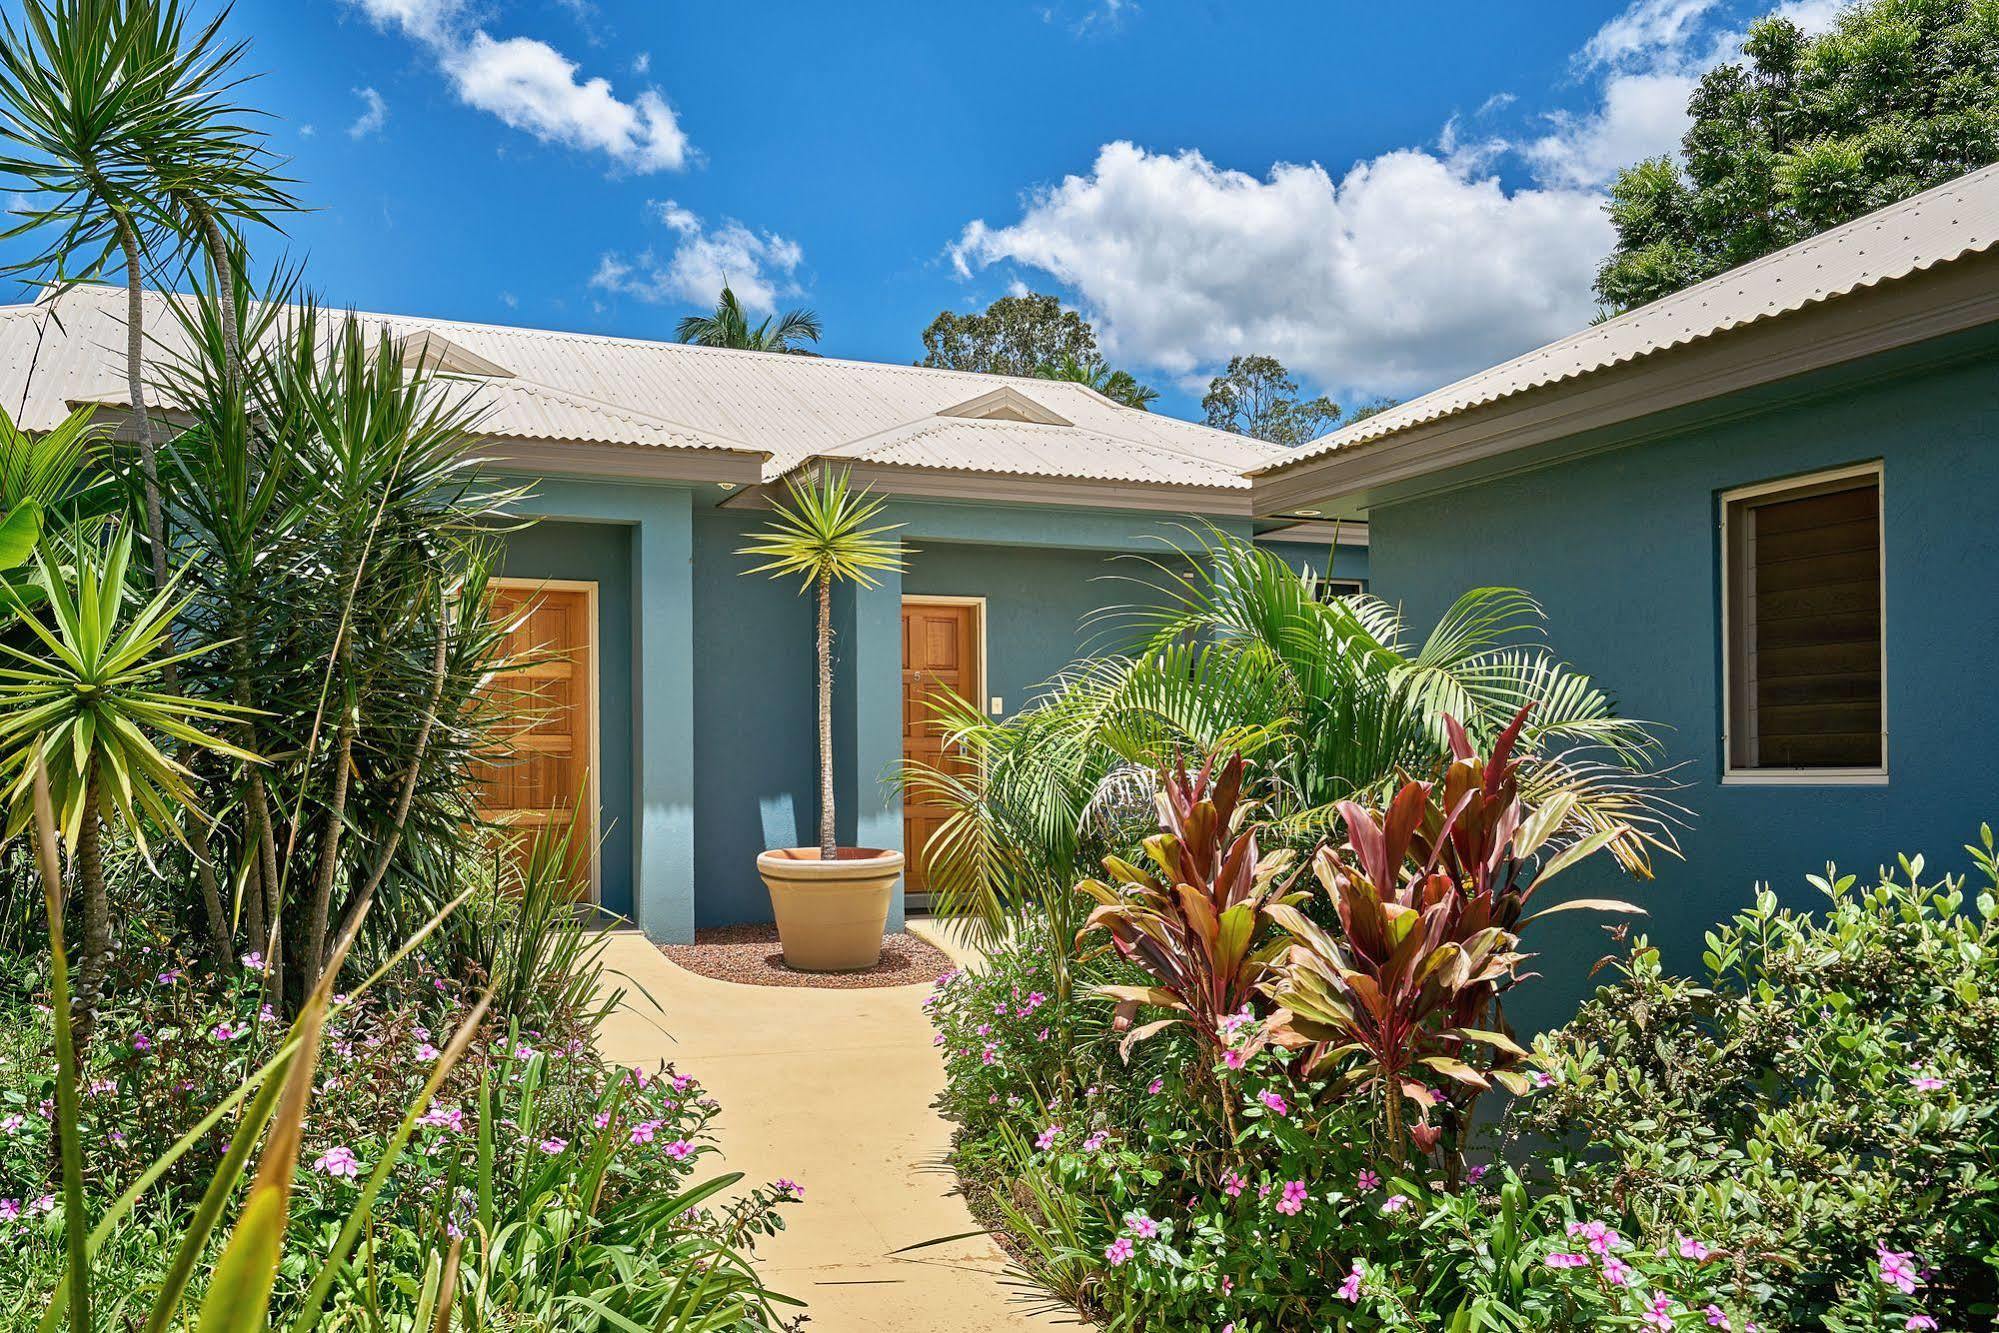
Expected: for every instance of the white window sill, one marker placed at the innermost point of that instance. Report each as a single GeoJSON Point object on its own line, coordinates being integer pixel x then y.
{"type": "Point", "coordinates": [1805, 777]}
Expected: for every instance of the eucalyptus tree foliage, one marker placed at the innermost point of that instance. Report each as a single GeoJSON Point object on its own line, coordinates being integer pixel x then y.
{"type": "Point", "coordinates": [1329, 699]}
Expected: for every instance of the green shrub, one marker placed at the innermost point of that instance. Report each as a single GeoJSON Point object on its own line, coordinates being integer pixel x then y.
{"type": "Point", "coordinates": [1827, 1098]}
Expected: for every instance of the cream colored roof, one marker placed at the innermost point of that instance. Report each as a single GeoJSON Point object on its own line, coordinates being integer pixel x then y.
{"type": "Point", "coordinates": [561, 387]}
{"type": "Point", "coordinates": [1953, 220]}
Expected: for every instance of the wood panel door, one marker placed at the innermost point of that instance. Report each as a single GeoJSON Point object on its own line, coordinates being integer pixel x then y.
{"type": "Point", "coordinates": [942, 649]}
{"type": "Point", "coordinates": [549, 720]}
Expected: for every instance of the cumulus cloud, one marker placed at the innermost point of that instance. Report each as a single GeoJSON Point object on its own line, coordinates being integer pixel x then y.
{"type": "Point", "coordinates": [1409, 270]}
{"type": "Point", "coordinates": [531, 86]}
{"type": "Point", "coordinates": [374, 114]}
{"type": "Point", "coordinates": [760, 267]}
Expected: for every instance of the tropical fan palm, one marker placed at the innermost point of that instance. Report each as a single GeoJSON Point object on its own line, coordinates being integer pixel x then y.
{"type": "Point", "coordinates": [827, 533]}
{"type": "Point", "coordinates": [1235, 653]}
{"type": "Point", "coordinates": [87, 706]}
{"type": "Point", "coordinates": [1120, 386]}
{"type": "Point", "coordinates": [730, 326]}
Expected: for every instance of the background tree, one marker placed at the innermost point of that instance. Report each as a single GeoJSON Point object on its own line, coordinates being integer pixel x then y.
{"type": "Point", "coordinates": [729, 326]}
{"type": "Point", "coordinates": [1015, 335]}
{"type": "Point", "coordinates": [1120, 386]}
{"type": "Point", "coordinates": [1807, 133]}
{"type": "Point", "coordinates": [1256, 396]}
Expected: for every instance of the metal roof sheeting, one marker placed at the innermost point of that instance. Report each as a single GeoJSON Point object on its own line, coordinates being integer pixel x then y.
{"type": "Point", "coordinates": [1935, 227]}
{"type": "Point", "coordinates": [562, 387]}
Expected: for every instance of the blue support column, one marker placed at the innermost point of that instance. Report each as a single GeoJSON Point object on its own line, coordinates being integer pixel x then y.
{"type": "Point", "coordinates": [663, 639]}
{"type": "Point", "coordinates": [874, 657]}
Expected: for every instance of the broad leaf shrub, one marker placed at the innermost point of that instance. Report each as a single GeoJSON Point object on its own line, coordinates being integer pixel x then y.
{"type": "Point", "coordinates": [1802, 1140]}
{"type": "Point", "coordinates": [1821, 1110]}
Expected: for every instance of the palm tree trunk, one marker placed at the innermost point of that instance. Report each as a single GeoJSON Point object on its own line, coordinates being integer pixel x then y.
{"type": "Point", "coordinates": [225, 283]}
{"type": "Point", "coordinates": [88, 859]}
{"type": "Point", "coordinates": [156, 540]}
{"type": "Point", "coordinates": [828, 834]}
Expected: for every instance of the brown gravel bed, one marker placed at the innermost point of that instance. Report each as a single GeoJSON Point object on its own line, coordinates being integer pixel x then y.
{"type": "Point", "coordinates": [750, 956]}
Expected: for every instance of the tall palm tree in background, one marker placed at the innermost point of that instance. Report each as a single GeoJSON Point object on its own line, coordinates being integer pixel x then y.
{"type": "Point", "coordinates": [124, 129]}
{"type": "Point", "coordinates": [1120, 386]}
{"type": "Point", "coordinates": [729, 326]}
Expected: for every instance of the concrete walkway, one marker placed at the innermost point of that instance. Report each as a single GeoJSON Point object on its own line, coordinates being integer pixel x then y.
{"type": "Point", "coordinates": [831, 1088]}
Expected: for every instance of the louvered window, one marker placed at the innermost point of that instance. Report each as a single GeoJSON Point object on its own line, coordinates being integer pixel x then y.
{"type": "Point", "coordinates": [1803, 610]}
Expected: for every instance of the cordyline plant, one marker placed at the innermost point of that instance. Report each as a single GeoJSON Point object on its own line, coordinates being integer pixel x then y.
{"type": "Point", "coordinates": [1429, 897]}
{"type": "Point", "coordinates": [1193, 921]}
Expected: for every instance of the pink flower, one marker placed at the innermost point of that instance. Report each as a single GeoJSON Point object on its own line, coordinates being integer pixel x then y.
{"type": "Point", "coordinates": [1293, 1201]}
{"type": "Point", "coordinates": [1276, 1103]}
{"type": "Point", "coordinates": [12, 1124]}
{"type": "Point", "coordinates": [1368, 1181]}
{"type": "Point", "coordinates": [1233, 1058]}
{"type": "Point", "coordinates": [443, 1117]}
{"type": "Point", "coordinates": [679, 1150]}
{"type": "Point", "coordinates": [9, 1209]}
{"type": "Point", "coordinates": [1895, 1270]}
{"type": "Point", "coordinates": [141, 1042]}
{"type": "Point", "coordinates": [682, 1082]}
{"type": "Point", "coordinates": [1233, 1184]}
{"type": "Point", "coordinates": [1692, 1249]}
{"type": "Point", "coordinates": [427, 1052]}
{"type": "Point", "coordinates": [1920, 1321]}
{"type": "Point", "coordinates": [1095, 1141]}
{"type": "Point", "coordinates": [643, 1132]}
{"type": "Point", "coordinates": [1615, 1271]}
{"type": "Point", "coordinates": [224, 1032]}
{"type": "Point", "coordinates": [1564, 1260]}
{"type": "Point", "coordinates": [602, 1120]}
{"type": "Point", "coordinates": [1350, 1289]}
{"type": "Point", "coordinates": [1540, 1078]}
{"type": "Point", "coordinates": [789, 1188]}
{"type": "Point", "coordinates": [1477, 1173]}
{"type": "Point", "coordinates": [252, 961]}
{"type": "Point", "coordinates": [338, 1161]}
{"type": "Point", "coordinates": [1926, 1082]}
{"type": "Point", "coordinates": [1718, 1318]}
{"type": "Point", "coordinates": [1154, 1086]}
{"type": "Point", "coordinates": [1119, 1251]}
{"type": "Point", "coordinates": [1394, 1203]}
{"type": "Point", "coordinates": [523, 1051]}
{"type": "Point", "coordinates": [1141, 1226]}
{"type": "Point", "coordinates": [1659, 1314]}
{"type": "Point", "coordinates": [552, 1145]}
{"type": "Point", "coordinates": [1046, 1138]}
{"type": "Point", "coordinates": [1600, 1238]}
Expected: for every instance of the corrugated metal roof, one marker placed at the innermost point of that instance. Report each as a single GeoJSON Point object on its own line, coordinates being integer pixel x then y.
{"type": "Point", "coordinates": [583, 387]}
{"type": "Point", "coordinates": [1935, 227]}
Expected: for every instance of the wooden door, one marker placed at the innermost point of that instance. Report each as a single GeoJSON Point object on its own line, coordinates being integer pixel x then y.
{"type": "Point", "coordinates": [940, 651]}
{"type": "Point", "coordinates": [549, 722]}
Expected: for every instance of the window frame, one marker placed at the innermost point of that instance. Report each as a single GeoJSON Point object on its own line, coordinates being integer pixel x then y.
{"type": "Point", "coordinates": [1731, 774]}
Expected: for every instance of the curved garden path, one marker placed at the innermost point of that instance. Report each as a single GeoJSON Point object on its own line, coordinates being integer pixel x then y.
{"type": "Point", "coordinates": [831, 1088]}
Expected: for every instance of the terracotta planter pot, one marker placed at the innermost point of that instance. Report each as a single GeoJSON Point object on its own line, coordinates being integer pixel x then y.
{"type": "Point", "coordinates": [830, 914]}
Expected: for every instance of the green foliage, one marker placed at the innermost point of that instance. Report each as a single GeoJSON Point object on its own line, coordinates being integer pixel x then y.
{"type": "Point", "coordinates": [1256, 396]}
{"type": "Point", "coordinates": [1807, 133]}
{"type": "Point", "coordinates": [1119, 386]}
{"type": "Point", "coordinates": [1829, 1091]}
{"type": "Point", "coordinates": [1015, 335]}
{"type": "Point", "coordinates": [730, 326]}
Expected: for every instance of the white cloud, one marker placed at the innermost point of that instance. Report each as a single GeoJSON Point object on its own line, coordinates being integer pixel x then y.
{"type": "Point", "coordinates": [759, 266]}
{"type": "Point", "coordinates": [374, 114]}
{"type": "Point", "coordinates": [1411, 269]}
{"type": "Point", "coordinates": [1814, 16]}
{"type": "Point", "coordinates": [510, 301]}
{"type": "Point", "coordinates": [1643, 31]}
{"type": "Point", "coordinates": [532, 86]}
{"type": "Point", "coordinates": [1641, 115]}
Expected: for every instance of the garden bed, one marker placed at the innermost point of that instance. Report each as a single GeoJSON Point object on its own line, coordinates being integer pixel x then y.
{"type": "Point", "coordinates": [751, 956]}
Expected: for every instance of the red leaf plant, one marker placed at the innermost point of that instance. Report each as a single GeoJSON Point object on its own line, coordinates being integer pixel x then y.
{"type": "Point", "coordinates": [1191, 921]}
{"type": "Point", "coordinates": [1430, 896]}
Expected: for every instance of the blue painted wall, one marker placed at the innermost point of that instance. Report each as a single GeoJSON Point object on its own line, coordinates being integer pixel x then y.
{"type": "Point", "coordinates": [1621, 549]}
{"type": "Point", "coordinates": [1352, 561]}
{"type": "Point", "coordinates": [601, 552]}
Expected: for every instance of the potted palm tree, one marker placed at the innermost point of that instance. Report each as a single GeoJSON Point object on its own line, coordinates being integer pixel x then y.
{"type": "Point", "coordinates": [831, 902]}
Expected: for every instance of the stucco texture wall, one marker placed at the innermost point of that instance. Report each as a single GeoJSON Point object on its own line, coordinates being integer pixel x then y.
{"type": "Point", "coordinates": [1621, 548]}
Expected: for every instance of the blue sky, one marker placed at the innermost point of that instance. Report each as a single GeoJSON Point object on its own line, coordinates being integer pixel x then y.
{"type": "Point", "coordinates": [1385, 196]}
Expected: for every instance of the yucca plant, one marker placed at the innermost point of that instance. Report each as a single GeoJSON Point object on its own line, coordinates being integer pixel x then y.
{"type": "Point", "coordinates": [826, 533]}
{"type": "Point", "coordinates": [1429, 895]}
{"type": "Point", "coordinates": [1197, 920]}
{"type": "Point", "coordinates": [87, 705]}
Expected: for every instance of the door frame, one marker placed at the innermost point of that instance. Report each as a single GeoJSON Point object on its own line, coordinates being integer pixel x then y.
{"type": "Point", "coordinates": [593, 796]}
{"type": "Point", "coordinates": [981, 700]}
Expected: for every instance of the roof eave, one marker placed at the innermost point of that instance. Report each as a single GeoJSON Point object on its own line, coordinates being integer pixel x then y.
{"type": "Point", "coordinates": [1932, 303]}
{"type": "Point", "coordinates": [1019, 488]}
